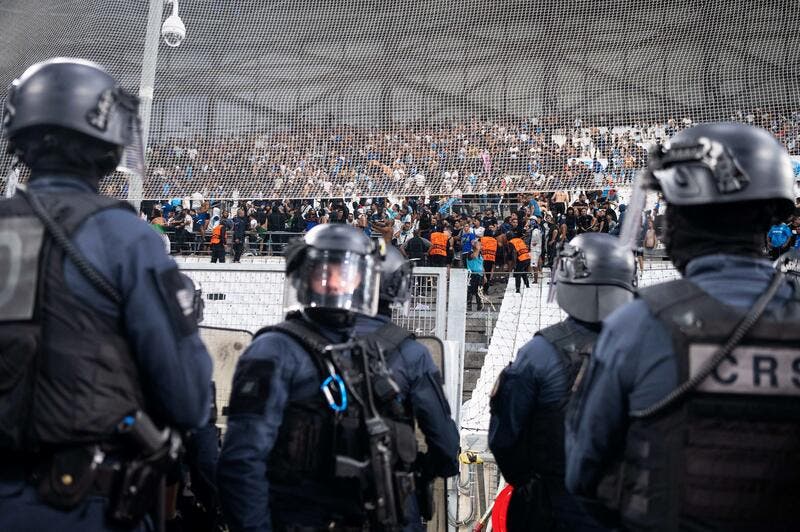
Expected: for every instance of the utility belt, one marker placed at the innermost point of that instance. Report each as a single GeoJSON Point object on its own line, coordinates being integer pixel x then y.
{"type": "Point", "coordinates": [65, 477]}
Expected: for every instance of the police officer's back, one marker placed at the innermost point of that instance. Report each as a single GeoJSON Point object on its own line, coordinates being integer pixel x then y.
{"type": "Point", "coordinates": [303, 428]}
{"type": "Point", "coordinates": [690, 417]}
{"type": "Point", "coordinates": [96, 322]}
{"type": "Point", "coordinates": [594, 275]}
{"type": "Point", "coordinates": [417, 376]}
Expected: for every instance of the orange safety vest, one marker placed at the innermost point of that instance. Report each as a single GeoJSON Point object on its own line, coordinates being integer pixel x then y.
{"type": "Point", "coordinates": [216, 234]}
{"type": "Point", "coordinates": [489, 248]}
{"type": "Point", "coordinates": [522, 250]}
{"type": "Point", "coordinates": [438, 244]}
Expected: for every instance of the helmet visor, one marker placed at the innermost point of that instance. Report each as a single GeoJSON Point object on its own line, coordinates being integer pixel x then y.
{"type": "Point", "coordinates": [336, 280]}
{"type": "Point", "coordinates": [132, 162]}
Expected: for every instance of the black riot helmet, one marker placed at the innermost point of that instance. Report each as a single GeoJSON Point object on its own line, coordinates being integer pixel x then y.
{"type": "Point", "coordinates": [333, 269]}
{"type": "Point", "coordinates": [724, 162]}
{"type": "Point", "coordinates": [396, 276]}
{"type": "Point", "coordinates": [594, 275]}
{"type": "Point", "coordinates": [724, 184]}
{"type": "Point", "coordinates": [73, 110]}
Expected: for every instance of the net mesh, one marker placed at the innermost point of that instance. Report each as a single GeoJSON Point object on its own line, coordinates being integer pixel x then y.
{"type": "Point", "coordinates": [341, 98]}
{"type": "Point", "coordinates": [520, 317]}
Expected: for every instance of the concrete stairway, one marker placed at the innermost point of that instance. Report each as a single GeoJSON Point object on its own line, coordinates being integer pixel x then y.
{"type": "Point", "coordinates": [480, 325]}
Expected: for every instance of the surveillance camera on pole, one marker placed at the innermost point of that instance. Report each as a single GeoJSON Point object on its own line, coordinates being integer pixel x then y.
{"type": "Point", "coordinates": [173, 31]}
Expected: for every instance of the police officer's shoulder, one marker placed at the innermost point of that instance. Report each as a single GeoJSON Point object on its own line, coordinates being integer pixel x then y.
{"type": "Point", "coordinates": [274, 345]}
{"type": "Point", "coordinates": [537, 355]}
{"type": "Point", "coordinates": [122, 227]}
{"type": "Point", "coordinates": [415, 354]}
{"type": "Point", "coordinates": [626, 328]}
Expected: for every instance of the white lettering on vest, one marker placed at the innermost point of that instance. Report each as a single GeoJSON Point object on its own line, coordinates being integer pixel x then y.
{"type": "Point", "coordinates": [751, 370]}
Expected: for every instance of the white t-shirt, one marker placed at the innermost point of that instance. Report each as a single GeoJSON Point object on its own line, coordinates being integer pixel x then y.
{"type": "Point", "coordinates": [188, 223]}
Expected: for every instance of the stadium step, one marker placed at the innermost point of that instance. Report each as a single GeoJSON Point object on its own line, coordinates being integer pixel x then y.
{"type": "Point", "coordinates": [479, 327]}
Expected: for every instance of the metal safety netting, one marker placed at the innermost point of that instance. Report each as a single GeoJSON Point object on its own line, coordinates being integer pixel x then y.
{"type": "Point", "coordinates": [346, 98]}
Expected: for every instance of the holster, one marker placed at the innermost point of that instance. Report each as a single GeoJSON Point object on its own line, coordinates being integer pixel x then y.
{"type": "Point", "coordinates": [138, 488]}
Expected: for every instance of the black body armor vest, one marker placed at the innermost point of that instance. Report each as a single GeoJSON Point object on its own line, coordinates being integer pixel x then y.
{"type": "Point", "coordinates": [726, 457]}
{"type": "Point", "coordinates": [312, 434]}
{"type": "Point", "coordinates": [66, 372]}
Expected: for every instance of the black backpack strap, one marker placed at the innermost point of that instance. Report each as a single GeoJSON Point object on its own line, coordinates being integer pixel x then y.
{"type": "Point", "coordinates": [60, 237]}
{"type": "Point", "coordinates": [390, 336]}
{"type": "Point", "coordinates": [305, 335]}
{"type": "Point", "coordinates": [662, 297]}
{"type": "Point", "coordinates": [573, 343]}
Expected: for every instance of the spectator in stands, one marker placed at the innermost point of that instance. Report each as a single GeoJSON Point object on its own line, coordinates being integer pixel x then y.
{"type": "Point", "coordinates": [404, 234]}
{"type": "Point", "coordinates": [276, 224]}
{"type": "Point", "coordinates": [585, 222]}
{"type": "Point", "coordinates": [568, 225]}
{"type": "Point", "coordinates": [779, 239]}
{"type": "Point", "coordinates": [535, 247]}
{"type": "Point", "coordinates": [488, 219]}
{"type": "Point", "coordinates": [416, 248]}
{"type": "Point", "coordinates": [240, 226]}
{"type": "Point", "coordinates": [474, 263]}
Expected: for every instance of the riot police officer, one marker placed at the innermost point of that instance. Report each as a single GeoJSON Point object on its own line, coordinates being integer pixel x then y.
{"type": "Point", "coordinates": [418, 378]}
{"type": "Point", "coordinates": [97, 331]}
{"type": "Point", "coordinates": [314, 437]}
{"type": "Point", "coordinates": [594, 274]}
{"type": "Point", "coordinates": [689, 417]}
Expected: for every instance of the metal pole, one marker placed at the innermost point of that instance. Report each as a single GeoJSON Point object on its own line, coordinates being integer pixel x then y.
{"type": "Point", "coordinates": [154, 14]}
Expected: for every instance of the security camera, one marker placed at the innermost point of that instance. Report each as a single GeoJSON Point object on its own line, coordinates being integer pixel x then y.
{"type": "Point", "coordinates": [173, 30]}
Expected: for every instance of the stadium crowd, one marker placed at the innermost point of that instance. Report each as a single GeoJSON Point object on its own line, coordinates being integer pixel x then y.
{"type": "Point", "coordinates": [474, 157]}
{"type": "Point", "coordinates": [263, 227]}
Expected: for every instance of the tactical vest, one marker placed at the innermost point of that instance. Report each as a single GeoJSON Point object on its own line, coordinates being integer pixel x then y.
{"type": "Point", "coordinates": [546, 428]}
{"type": "Point", "coordinates": [66, 372]}
{"type": "Point", "coordinates": [311, 433]}
{"type": "Point", "coordinates": [728, 455]}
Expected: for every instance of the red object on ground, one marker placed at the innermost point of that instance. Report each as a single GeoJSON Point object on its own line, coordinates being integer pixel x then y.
{"type": "Point", "coordinates": [500, 510]}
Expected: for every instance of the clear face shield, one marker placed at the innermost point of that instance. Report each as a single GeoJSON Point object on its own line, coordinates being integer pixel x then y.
{"type": "Point", "coordinates": [132, 163]}
{"type": "Point", "coordinates": [644, 203]}
{"type": "Point", "coordinates": [402, 303]}
{"type": "Point", "coordinates": [335, 280]}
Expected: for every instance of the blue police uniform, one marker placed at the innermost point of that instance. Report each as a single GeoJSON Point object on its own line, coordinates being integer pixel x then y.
{"type": "Point", "coordinates": [634, 365]}
{"type": "Point", "coordinates": [174, 371]}
{"type": "Point", "coordinates": [537, 380]}
{"type": "Point", "coordinates": [419, 380]}
{"type": "Point", "coordinates": [249, 500]}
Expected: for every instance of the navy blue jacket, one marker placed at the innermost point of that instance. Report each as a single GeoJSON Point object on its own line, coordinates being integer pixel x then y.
{"type": "Point", "coordinates": [420, 383]}
{"type": "Point", "coordinates": [175, 373]}
{"type": "Point", "coordinates": [634, 365]}
{"type": "Point", "coordinates": [246, 495]}
{"type": "Point", "coordinates": [248, 499]}
{"type": "Point", "coordinates": [536, 379]}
